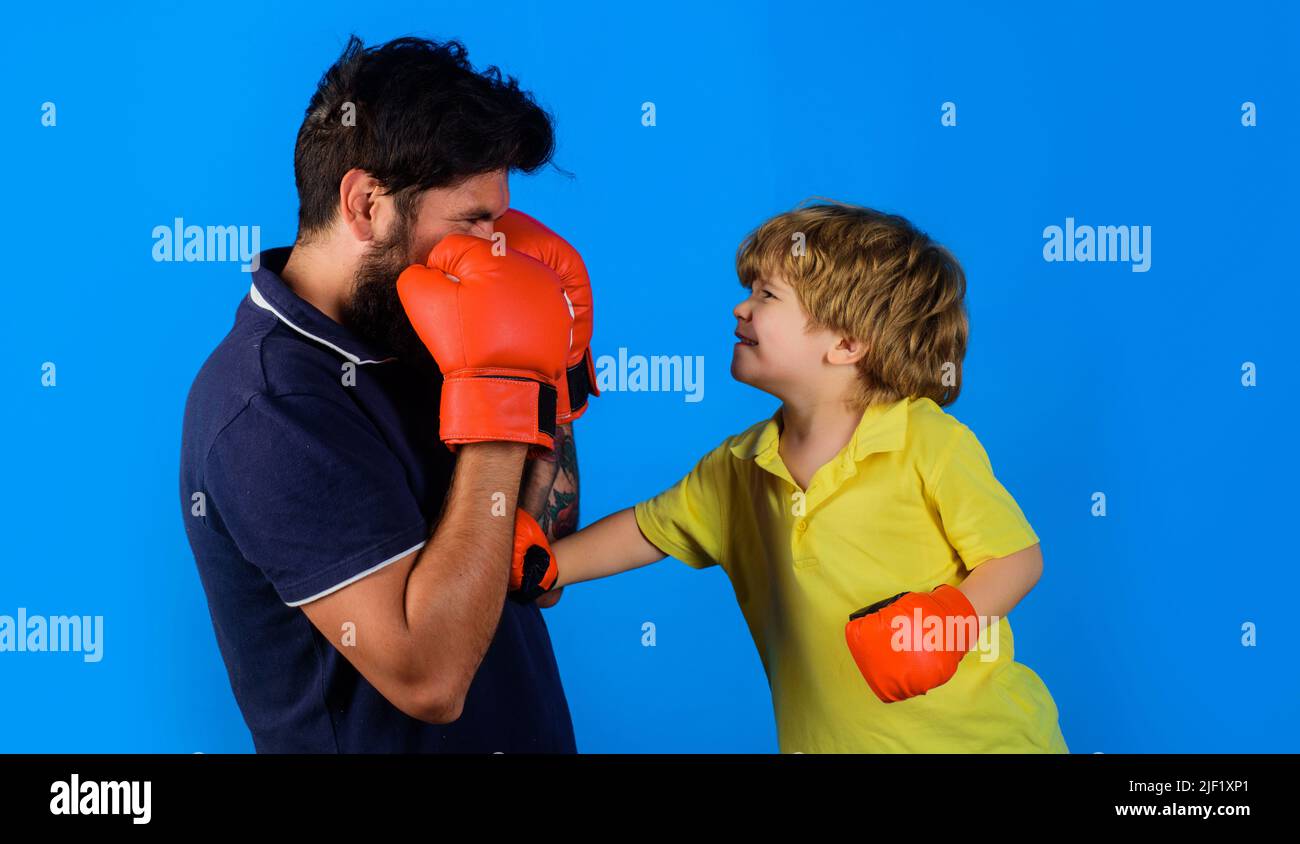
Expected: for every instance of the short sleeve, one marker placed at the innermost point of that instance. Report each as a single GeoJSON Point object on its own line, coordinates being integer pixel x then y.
{"type": "Point", "coordinates": [981, 519]}
{"type": "Point", "coordinates": [685, 521]}
{"type": "Point", "coordinates": [311, 494]}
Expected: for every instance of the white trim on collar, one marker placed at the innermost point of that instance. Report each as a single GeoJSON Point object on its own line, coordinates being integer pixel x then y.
{"type": "Point", "coordinates": [260, 301]}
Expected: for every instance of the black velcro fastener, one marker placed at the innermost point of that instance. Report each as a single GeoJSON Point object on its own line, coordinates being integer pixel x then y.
{"type": "Point", "coordinates": [878, 605]}
{"type": "Point", "coordinates": [547, 398]}
{"type": "Point", "coordinates": [579, 385]}
{"type": "Point", "coordinates": [536, 563]}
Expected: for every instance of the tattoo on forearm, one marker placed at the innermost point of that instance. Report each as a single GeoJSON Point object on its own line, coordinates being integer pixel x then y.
{"type": "Point", "coordinates": [560, 515]}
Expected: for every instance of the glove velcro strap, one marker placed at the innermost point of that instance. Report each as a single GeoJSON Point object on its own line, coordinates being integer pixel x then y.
{"type": "Point", "coordinates": [876, 607]}
{"type": "Point", "coordinates": [582, 383]}
{"type": "Point", "coordinates": [538, 575]}
{"type": "Point", "coordinates": [507, 405]}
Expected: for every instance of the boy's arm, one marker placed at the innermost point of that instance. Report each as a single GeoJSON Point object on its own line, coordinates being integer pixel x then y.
{"type": "Point", "coordinates": [991, 590]}
{"type": "Point", "coordinates": [995, 586]}
{"type": "Point", "coordinates": [611, 545]}
{"type": "Point", "coordinates": [687, 513]}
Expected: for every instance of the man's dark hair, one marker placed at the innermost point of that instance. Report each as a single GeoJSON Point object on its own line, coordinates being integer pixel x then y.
{"type": "Point", "coordinates": [424, 118]}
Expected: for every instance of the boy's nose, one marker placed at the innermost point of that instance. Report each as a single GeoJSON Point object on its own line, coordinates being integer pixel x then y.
{"type": "Point", "coordinates": [741, 311]}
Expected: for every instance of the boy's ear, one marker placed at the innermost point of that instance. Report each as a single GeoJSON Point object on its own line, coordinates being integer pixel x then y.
{"type": "Point", "coordinates": [848, 351]}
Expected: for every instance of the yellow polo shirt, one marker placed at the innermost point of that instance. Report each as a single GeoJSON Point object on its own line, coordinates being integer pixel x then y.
{"type": "Point", "coordinates": [908, 504]}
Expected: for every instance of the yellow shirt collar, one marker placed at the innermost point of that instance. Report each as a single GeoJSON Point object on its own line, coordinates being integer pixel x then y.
{"type": "Point", "coordinates": [883, 428]}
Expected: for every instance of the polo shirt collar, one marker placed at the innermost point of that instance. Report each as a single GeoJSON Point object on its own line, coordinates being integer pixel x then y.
{"type": "Point", "coordinates": [270, 293]}
{"type": "Point", "coordinates": [883, 427]}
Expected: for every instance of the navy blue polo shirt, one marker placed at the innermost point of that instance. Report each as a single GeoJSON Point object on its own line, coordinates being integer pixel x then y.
{"type": "Point", "coordinates": [309, 461]}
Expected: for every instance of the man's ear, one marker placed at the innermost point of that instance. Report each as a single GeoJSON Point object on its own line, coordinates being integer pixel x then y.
{"type": "Point", "coordinates": [359, 197]}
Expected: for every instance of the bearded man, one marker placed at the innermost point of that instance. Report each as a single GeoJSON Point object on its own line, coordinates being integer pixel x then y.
{"type": "Point", "coordinates": [356, 453]}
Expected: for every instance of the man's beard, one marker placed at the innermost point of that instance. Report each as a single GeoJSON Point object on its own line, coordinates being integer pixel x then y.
{"type": "Point", "coordinates": [374, 310]}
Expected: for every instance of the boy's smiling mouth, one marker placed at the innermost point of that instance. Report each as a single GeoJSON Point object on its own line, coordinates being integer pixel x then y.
{"type": "Point", "coordinates": [745, 341]}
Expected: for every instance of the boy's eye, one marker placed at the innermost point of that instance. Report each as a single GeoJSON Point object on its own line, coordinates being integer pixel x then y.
{"type": "Point", "coordinates": [768, 293]}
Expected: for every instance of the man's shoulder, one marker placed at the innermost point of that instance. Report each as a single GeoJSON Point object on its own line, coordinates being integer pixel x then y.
{"type": "Point", "coordinates": [260, 358]}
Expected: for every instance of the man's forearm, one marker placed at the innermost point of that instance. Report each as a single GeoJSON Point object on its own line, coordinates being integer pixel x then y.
{"type": "Point", "coordinates": [539, 478]}
{"type": "Point", "coordinates": [558, 512]}
{"type": "Point", "coordinates": [551, 492]}
{"type": "Point", "coordinates": [456, 589]}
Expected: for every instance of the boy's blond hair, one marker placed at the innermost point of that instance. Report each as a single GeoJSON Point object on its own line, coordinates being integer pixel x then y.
{"type": "Point", "coordinates": [878, 279]}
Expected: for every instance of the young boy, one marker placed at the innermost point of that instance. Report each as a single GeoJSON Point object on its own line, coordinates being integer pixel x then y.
{"type": "Point", "coordinates": [859, 497]}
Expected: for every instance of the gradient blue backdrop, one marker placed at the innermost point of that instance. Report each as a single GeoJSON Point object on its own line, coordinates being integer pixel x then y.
{"type": "Point", "coordinates": [1080, 377]}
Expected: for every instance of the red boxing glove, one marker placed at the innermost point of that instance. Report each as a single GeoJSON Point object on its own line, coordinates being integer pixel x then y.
{"type": "Point", "coordinates": [913, 669]}
{"type": "Point", "coordinates": [532, 565]}
{"type": "Point", "coordinates": [499, 334]}
{"type": "Point", "coordinates": [532, 238]}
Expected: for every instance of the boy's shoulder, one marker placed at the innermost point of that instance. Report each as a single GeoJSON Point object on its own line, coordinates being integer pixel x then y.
{"type": "Point", "coordinates": [932, 431]}
{"type": "Point", "coordinates": [752, 441]}
{"type": "Point", "coordinates": [929, 421]}
{"type": "Point", "coordinates": [934, 434]}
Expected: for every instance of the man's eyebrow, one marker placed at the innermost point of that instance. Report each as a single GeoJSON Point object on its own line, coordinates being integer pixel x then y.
{"type": "Point", "coordinates": [480, 213]}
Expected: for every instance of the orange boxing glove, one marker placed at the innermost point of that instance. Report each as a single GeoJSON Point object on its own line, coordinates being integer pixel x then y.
{"type": "Point", "coordinates": [498, 327]}
{"type": "Point", "coordinates": [532, 238]}
{"type": "Point", "coordinates": [902, 660]}
{"type": "Point", "coordinates": [532, 565]}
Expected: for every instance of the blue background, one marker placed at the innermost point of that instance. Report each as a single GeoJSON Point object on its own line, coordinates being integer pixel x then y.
{"type": "Point", "coordinates": [1080, 377]}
